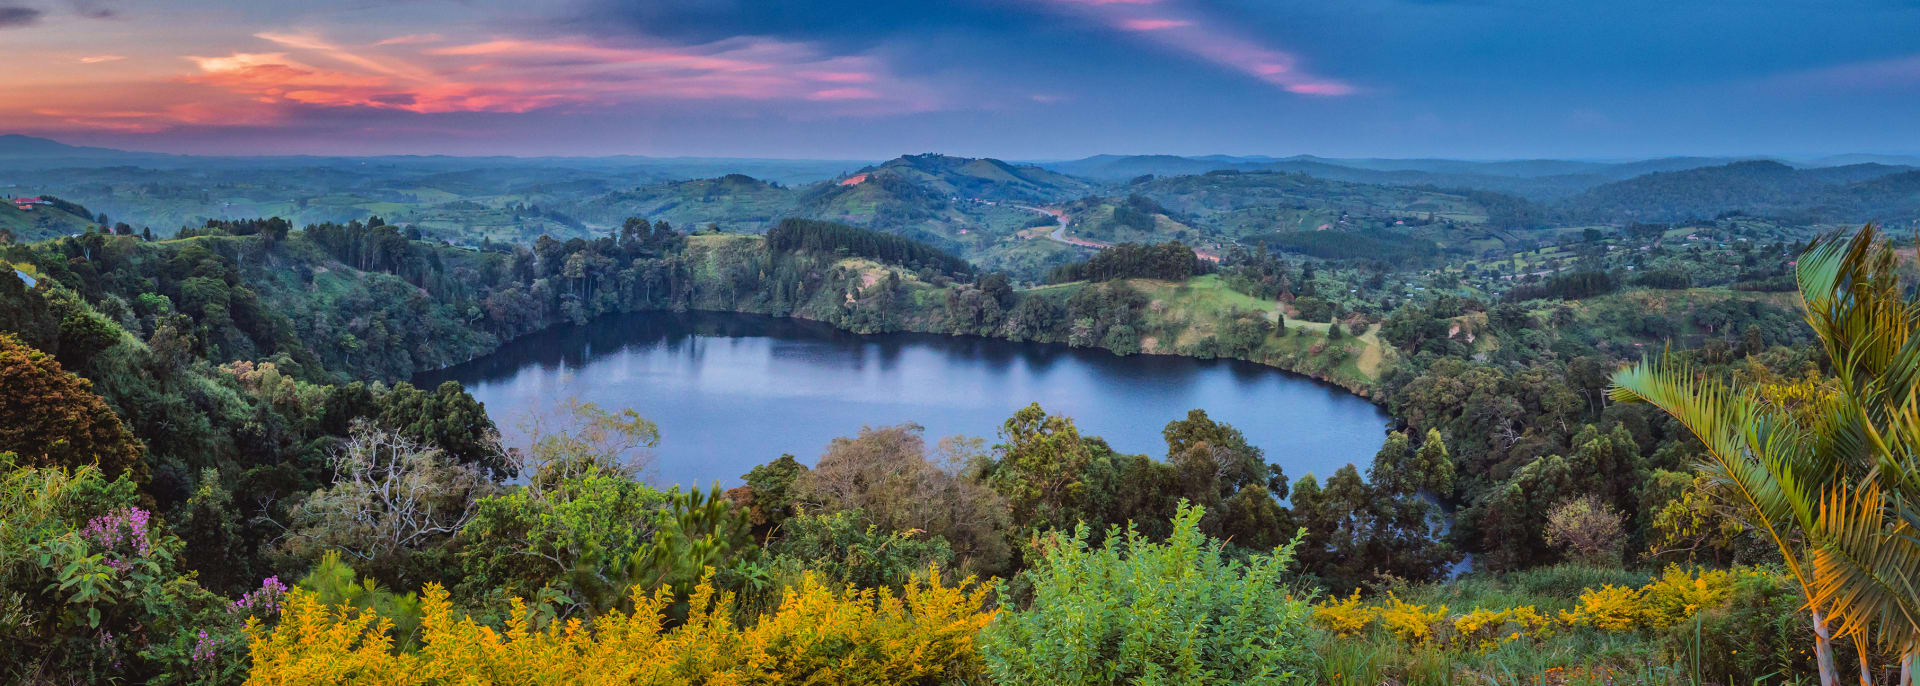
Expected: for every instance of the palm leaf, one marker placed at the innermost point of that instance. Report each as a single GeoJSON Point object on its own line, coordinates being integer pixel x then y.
{"type": "Point", "coordinates": [1866, 573]}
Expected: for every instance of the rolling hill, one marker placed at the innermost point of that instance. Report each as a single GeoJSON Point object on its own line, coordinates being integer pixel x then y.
{"type": "Point", "coordinates": [735, 202]}
{"type": "Point", "coordinates": [1851, 193]}
{"type": "Point", "coordinates": [44, 221]}
{"type": "Point", "coordinates": [982, 178]}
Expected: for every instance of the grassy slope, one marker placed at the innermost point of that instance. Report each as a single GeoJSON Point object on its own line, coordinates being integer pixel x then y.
{"type": "Point", "coordinates": [1180, 315]}
{"type": "Point", "coordinates": [40, 223]}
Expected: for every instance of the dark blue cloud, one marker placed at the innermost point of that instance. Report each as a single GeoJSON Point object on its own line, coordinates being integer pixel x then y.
{"type": "Point", "coordinates": [844, 25]}
{"type": "Point", "coordinates": [11, 16]}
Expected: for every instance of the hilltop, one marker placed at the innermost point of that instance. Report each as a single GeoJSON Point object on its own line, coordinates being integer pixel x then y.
{"type": "Point", "coordinates": [51, 220]}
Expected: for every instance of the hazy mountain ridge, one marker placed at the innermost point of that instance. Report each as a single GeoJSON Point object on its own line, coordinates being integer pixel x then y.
{"type": "Point", "coordinates": [1851, 193]}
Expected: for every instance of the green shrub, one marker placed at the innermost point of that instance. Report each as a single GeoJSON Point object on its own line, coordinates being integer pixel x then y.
{"type": "Point", "coordinates": [1759, 635]}
{"type": "Point", "coordinates": [1135, 611]}
{"type": "Point", "coordinates": [1568, 580]}
{"type": "Point", "coordinates": [843, 549]}
{"type": "Point", "coordinates": [335, 584]}
{"type": "Point", "coordinates": [91, 589]}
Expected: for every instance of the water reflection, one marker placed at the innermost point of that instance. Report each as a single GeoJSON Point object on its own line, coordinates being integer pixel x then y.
{"type": "Point", "coordinates": [731, 391]}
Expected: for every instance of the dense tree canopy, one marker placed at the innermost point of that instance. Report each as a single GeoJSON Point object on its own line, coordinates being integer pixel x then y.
{"type": "Point", "coordinates": [49, 417]}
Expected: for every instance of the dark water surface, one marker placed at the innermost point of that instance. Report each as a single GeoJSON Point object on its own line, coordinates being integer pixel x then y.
{"type": "Point", "coordinates": [731, 391]}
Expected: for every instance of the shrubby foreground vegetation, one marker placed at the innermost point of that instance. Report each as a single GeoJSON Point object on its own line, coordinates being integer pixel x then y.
{"type": "Point", "coordinates": [212, 476]}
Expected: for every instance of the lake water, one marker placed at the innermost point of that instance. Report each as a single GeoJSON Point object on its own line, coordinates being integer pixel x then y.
{"type": "Point", "coordinates": [732, 391]}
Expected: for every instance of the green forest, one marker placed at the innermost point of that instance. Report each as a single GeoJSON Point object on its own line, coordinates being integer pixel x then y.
{"type": "Point", "coordinates": [1637, 453]}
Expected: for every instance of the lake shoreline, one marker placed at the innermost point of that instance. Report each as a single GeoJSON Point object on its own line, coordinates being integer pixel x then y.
{"type": "Point", "coordinates": [1362, 391]}
{"type": "Point", "coordinates": [703, 375]}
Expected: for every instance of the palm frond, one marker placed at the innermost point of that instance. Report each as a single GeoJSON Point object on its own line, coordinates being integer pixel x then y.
{"type": "Point", "coordinates": [1866, 574]}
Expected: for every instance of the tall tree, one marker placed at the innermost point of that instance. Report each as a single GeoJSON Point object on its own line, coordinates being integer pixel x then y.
{"type": "Point", "coordinates": [53, 418]}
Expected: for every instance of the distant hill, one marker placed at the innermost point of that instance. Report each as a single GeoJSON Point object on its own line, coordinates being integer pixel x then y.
{"type": "Point", "coordinates": [983, 178]}
{"type": "Point", "coordinates": [1131, 218]}
{"type": "Point", "coordinates": [735, 202]}
{"type": "Point", "coordinates": [1244, 202]}
{"type": "Point", "coordinates": [14, 145]}
{"type": "Point", "coordinates": [955, 203]}
{"type": "Point", "coordinates": [1850, 193]}
{"type": "Point", "coordinates": [1536, 179]}
{"type": "Point", "coordinates": [28, 152]}
{"type": "Point", "coordinates": [43, 221]}
{"type": "Point", "coordinates": [1124, 167]}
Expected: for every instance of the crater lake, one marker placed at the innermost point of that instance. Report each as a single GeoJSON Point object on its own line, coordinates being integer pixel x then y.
{"type": "Point", "coordinates": [731, 391]}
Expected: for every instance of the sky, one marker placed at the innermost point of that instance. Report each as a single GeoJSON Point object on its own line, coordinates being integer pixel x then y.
{"type": "Point", "coordinates": [1016, 79]}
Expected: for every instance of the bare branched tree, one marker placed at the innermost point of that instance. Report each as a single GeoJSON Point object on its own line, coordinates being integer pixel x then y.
{"type": "Point", "coordinates": [391, 496]}
{"type": "Point", "coordinates": [580, 438]}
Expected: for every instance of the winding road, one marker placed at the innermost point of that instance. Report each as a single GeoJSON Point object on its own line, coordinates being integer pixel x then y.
{"type": "Point", "coordinates": [1059, 233]}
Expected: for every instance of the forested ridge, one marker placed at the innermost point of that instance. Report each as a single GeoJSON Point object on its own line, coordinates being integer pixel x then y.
{"type": "Point", "coordinates": [215, 418]}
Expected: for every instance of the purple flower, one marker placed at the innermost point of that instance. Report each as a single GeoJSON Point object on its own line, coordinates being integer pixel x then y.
{"type": "Point", "coordinates": [205, 649]}
{"type": "Point", "coordinates": [265, 599]}
{"type": "Point", "coordinates": [123, 528]}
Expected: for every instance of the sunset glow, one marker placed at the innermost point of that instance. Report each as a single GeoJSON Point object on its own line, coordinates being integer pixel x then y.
{"type": "Point", "coordinates": [543, 75]}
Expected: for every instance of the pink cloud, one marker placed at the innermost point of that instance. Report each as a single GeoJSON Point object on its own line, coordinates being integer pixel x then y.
{"type": "Point", "coordinates": [1153, 24]}
{"type": "Point", "coordinates": [1321, 88]}
{"type": "Point", "coordinates": [843, 94]}
{"type": "Point", "coordinates": [1205, 40]}
{"type": "Point", "coordinates": [840, 76]}
{"type": "Point", "coordinates": [281, 77]}
{"type": "Point", "coordinates": [507, 74]}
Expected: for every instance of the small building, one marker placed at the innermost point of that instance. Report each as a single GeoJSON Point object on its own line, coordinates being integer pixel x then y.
{"type": "Point", "coordinates": [26, 204]}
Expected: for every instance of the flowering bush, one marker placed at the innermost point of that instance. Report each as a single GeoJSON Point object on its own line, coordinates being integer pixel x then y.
{"type": "Point", "coordinates": [121, 536]}
{"type": "Point", "coordinates": [1345, 617]}
{"type": "Point", "coordinates": [1409, 622]}
{"type": "Point", "coordinates": [264, 601]}
{"type": "Point", "coordinates": [1680, 593]}
{"type": "Point", "coordinates": [91, 588]}
{"type": "Point", "coordinates": [1608, 608]}
{"type": "Point", "coordinates": [1678, 596]}
{"type": "Point", "coordinates": [820, 634]}
{"type": "Point", "coordinates": [1484, 629]}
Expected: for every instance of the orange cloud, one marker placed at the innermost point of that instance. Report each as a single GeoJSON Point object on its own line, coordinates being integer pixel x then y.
{"type": "Point", "coordinates": [521, 74]}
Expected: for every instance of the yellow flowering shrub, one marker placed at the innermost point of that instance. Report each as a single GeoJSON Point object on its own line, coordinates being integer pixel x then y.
{"type": "Point", "coordinates": [820, 634]}
{"type": "Point", "coordinates": [1409, 622]}
{"type": "Point", "coordinates": [1608, 608]}
{"type": "Point", "coordinates": [1679, 593]}
{"type": "Point", "coordinates": [1484, 629]}
{"type": "Point", "coordinates": [1345, 617]}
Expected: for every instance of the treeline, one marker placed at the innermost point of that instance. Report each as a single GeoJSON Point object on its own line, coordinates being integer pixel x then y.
{"type": "Point", "coordinates": [1568, 286]}
{"type": "Point", "coordinates": [1395, 250]}
{"type": "Point", "coordinates": [1169, 261]}
{"type": "Point", "coordinates": [793, 235]}
{"type": "Point", "coordinates": [1137, 213]}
